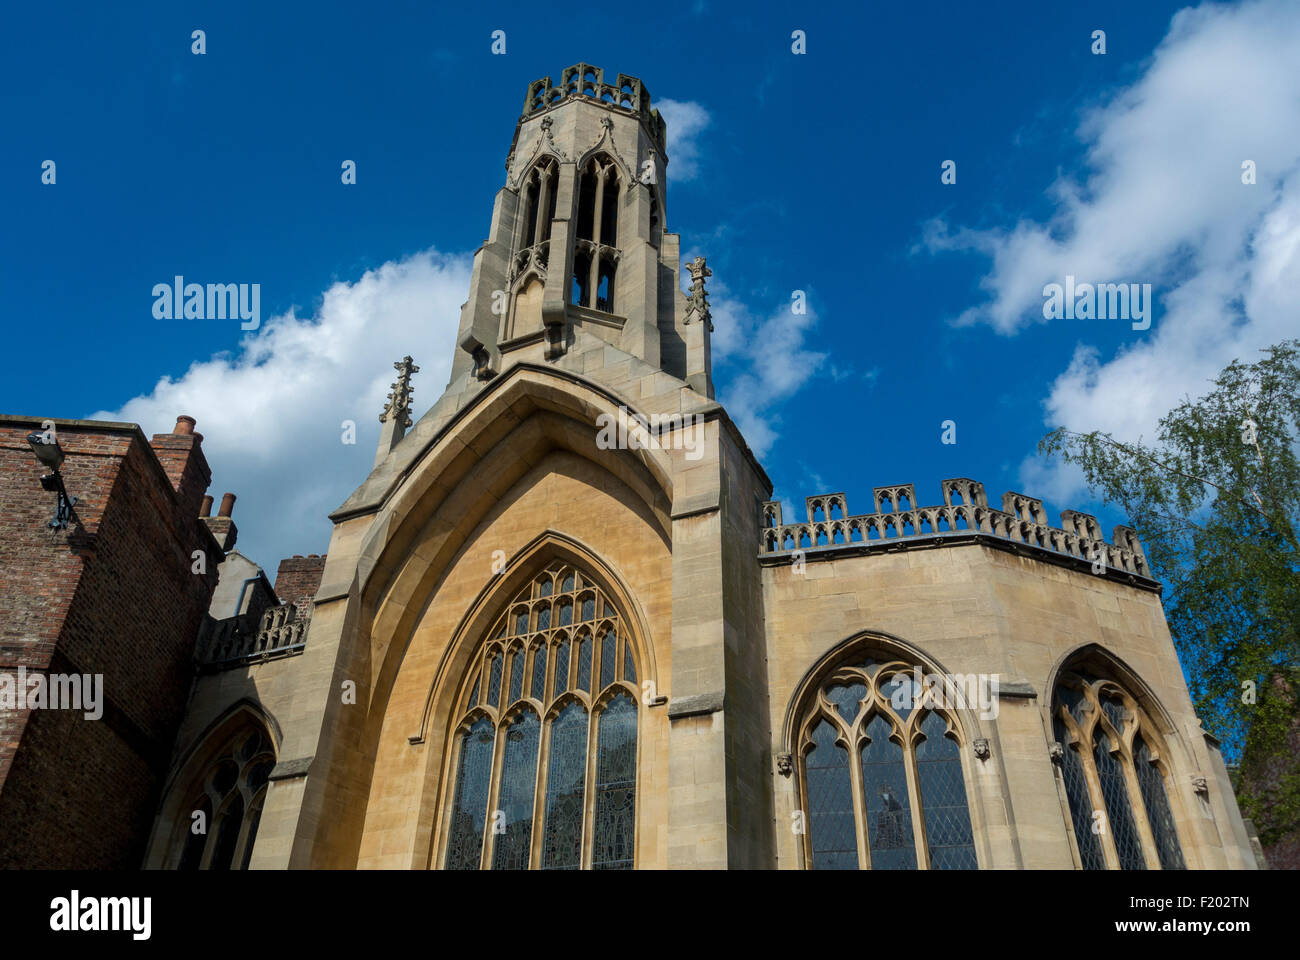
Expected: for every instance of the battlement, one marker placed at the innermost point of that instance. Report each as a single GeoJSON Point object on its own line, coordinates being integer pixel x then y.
{"type": "Point", "coordinates": [584, 80]}
{"type": "Point", "coordinates": [965, 511]}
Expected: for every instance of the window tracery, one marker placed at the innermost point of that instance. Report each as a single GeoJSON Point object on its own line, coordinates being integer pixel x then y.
{"type": "Point", "coordinates": [880, 773]}
{"type": "Point", "coordinates": [231, 792]}
{"type": "Point", "coordinates": [1114, 776]}
{"type": "Point", "coordinates": [543, 770]}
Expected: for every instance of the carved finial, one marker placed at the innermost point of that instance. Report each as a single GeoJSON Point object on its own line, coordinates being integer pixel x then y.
{"type": "Point", "coordinates": [699, 297]}
{"type": "Point", "coordinates": [399, 398]}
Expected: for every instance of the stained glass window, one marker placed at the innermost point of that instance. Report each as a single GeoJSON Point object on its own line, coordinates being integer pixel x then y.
{"type": "Point", "coordinates": [539, 670]}
{"type": "Point", "coordinates": [615, 821]}
{"type": "Point", "coordinates": [584, 663]}
{"type": "Point", "coordinates": [867, 702]}
{"type": "Point", "coordinates": [943, 798]}
{"type": "Point", "coordinates": [573, 832]}
{"type": "Point", "coordinates": [562, 667]}
{"type": "Point", "coordinates": [516, 674]}
{"type": "Point", "coordinates": [513, 831]}
{"type": "Point", "coordinates": [469, 808]}
{"type": "Point", "coordinates": [1156, 801]}
{"type": "Point", "coordinates": [889, 813]}
{"type": "Point", "coordinates": [494, 683]}
{"type": "Point", "coordinates": [830, 803]}
{"type": "Point", "coordinates": [608, 661]}
{"type": "Point", "coordinates": [566, 782]}
{"type": "Point", "coordinates": [1076, 792]}
{"type": "Point", "coordinates": [1119, 811]}
{"type": "Point", "coordinates": [1099, 716]}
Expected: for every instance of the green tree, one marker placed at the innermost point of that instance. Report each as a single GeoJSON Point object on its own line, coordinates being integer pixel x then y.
{"type": "Point", "coordinates": [1215, 500]}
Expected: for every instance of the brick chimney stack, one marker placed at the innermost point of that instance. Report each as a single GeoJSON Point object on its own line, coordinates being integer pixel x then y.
{"type": "Point", "coordinates": [181, 455]}
{"type": "Point", "coordinates": [222, 526]}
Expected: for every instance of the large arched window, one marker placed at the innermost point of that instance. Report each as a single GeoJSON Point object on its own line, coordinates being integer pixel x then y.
{"type": "Point", "coordinates": [544, 755]}
{"type": "Point", "coordinates": [880, 772]}
{"type": "Point", "coordinates": [218, 827]}
{"type": "Point", "coordinates": [1114, 773]}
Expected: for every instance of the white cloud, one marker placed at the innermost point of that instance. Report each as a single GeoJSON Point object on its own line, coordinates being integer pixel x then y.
{"type": "Point", "coordinates": [686, 120]}
{"type": "Point", "coordinates": [271, 413]}
{"type": "Point", "coordinates": [1163, 203]}
{"type": "Point", "coordinates": [762, 361]}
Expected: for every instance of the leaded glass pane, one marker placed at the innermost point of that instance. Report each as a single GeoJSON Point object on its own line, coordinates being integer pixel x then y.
{"type": "Point", "coordinates": [846, 697]}
{"type": "Point", "coordinates": [544, 617]}
{"type": "Point", "coordinates": [629, 665]}
{"type": "Point", "coordinates": [566, 613]}
{"type": "Point", "coordinates": [588, 608]}
{"type": "Point", "coordinates": [562, 668]}
{"type": "Point", "coordinates": [473, 694]}
{"type": "Point", "coordinates": [515, 800]}
{"type": "Point", "coordinates": [521, 623]}
{"type": "Point", "coordinates": [1115, 712]}
{"type": "Point", "coordinates": [584, 663]}
{"type": "Point", "coordinates": [614, 826]}
{"type": "Point", "coordinates": [1119, 812]}
{"type": "Point", "coordinates": [609, 609]}
{"type": "Point", "coordinates": [516, 674]}
{"type": "Point", "coordinates": [568, 582]}
{"type": "Point", "coordinates": [566, 777]}
{"type": "Point", "coordinates": [1156, 801]}
{"type": "Point", "coordinates": [469, 807]}
{"type": "Point", "coordinates": [254, 820]}
{"type": "Point", "coordinates": [943, 798]}
{"type": "Point", "coordinates": [539, 671]}
{"type": "Point", "coordinates": [545, 588]}
{"type": "Point", "coordinates": [223, 854]}
{"type": "Point", "coordinates": [608, 658]}
{"type": "Point", "coordinates": [889, 812]}
{"type": "Point", "coordinates": [494, 681]}
{"type": "Point", "coordinates": [831, 827]}
{"type": "Point", "coordinates": [1076, 793]}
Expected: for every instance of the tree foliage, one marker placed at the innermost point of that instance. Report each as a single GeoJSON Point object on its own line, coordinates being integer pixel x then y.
{"type": "Point", "coordinates": [1215, 500]}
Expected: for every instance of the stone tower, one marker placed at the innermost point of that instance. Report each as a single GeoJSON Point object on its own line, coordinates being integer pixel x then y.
{"type": "Point", "coordinates": [578, 237]}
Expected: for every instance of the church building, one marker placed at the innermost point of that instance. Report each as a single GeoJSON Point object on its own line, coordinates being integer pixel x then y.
{"type": "Point", "coordinates": [563, 624]}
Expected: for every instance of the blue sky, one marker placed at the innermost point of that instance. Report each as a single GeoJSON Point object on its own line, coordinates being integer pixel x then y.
{"type": "Point", "coordinates": [818, 172]}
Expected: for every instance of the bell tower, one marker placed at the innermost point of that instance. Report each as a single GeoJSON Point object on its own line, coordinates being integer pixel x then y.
{"type": "Point", "coordinates": [577, 245]}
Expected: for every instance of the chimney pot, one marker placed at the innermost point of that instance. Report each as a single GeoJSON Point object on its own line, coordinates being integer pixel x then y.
{"type": "Point", "coordinates": [227, 504]}
{"type": "Point", "coordinates": [205, 509]}
{"type": "Point", "coordinates": [184, 425]}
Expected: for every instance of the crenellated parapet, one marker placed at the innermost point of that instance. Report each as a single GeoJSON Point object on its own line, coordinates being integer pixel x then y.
{"type": "Point", "coordinates": [965, 512]}
{"type": "Point", "coordinates": [583, 80]}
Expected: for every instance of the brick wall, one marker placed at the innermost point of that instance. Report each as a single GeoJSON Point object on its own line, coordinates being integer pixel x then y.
{"type": "Point", "coordinates": [299, 577]}
{"type": "Point", "coordinates": [114, 595]}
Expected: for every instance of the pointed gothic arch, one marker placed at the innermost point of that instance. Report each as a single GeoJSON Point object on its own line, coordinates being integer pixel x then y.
{"type": "Point", "coordinates": [225, 777]}
{"type": "Point", "coordinates": [541, 759]}
{"type": "Point", "coordinates": [882, 768]}
{"type": "Point", "coordinates": [1118, 755]}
